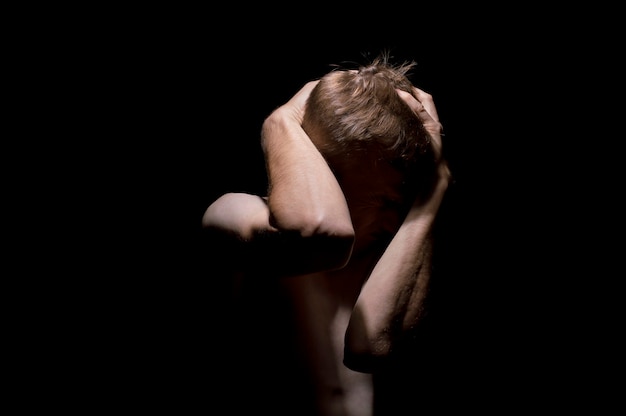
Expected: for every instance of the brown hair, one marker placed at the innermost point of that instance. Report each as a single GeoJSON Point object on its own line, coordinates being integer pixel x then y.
{"type": "Point", "coordinates": [351, 112]}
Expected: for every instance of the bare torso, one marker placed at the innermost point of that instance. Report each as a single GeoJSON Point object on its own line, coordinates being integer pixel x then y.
{"type": "Point", "coordinates": [322, 304]}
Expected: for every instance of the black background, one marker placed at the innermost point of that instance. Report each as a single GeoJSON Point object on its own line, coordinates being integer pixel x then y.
{"type": "Point", "coordinates": [179, 100]}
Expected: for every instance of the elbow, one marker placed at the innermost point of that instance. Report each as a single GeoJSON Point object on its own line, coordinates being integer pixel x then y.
{"type": "Point", "coordinates": [337, 250]}
{"type": "Point", "coordinates": [314, 224]}
{"type": "Point", "coordinates": [367, 357]}
{"type": "Point", "coordinates": [366, 349]}
{"type": "Point", "coordinates": [329, 238]}
{"type": "Point", "coordinates": [339, 233]}
{"type": "Point", "coordinates": [308, 245]}
{"type": "Point", "coordinates": [374, 350]}
{"type": "Point", "coordinates": [369, 344]}
{"type": "Point", "coordinates": [330, 244]}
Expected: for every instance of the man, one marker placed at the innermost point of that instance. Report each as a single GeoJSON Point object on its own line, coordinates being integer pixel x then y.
{"type": "Point", "coordinates": [332, 267]}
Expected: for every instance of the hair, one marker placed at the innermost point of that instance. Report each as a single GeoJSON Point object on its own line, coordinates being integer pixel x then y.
{"type": "Point", "coordinates": [359, 112]}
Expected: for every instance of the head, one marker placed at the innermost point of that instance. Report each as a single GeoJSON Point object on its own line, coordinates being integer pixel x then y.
{"type": "Point", "coordinates": [376, 146]}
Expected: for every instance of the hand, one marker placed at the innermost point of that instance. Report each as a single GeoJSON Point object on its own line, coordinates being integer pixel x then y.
{"type": "Point", "coordinates": [424, 108]}
{"type": "Point", "coordinates": [296, 106]}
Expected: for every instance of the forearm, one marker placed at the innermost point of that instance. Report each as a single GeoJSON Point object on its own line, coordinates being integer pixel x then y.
{"type": "Point", "coordinates": [391, 302]}
{"type": "Point", "coordinates": [304, 195]}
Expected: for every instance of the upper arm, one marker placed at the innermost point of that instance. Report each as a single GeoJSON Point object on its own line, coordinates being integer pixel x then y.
{"type": "Point", "coordinates": [238, 214]}
{"type": "Point", "coordinates": [239, 228]}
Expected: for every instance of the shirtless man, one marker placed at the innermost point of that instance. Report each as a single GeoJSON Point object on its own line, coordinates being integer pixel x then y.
{"type": "Point", "coordinates": [331, 269]}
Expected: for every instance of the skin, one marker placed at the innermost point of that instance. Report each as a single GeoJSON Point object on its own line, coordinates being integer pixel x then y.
{"type": "Point", "coordinates": [357, 273]}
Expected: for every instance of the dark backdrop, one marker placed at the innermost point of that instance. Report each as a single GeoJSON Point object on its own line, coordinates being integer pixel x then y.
{"type": "Point", "coordinates": [183, 99]}
{"type": "Point", "coordinates": [206, 103]}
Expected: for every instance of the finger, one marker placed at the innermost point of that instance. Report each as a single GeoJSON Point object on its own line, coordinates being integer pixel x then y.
{"type": "Point", "coordinates": [425, 109]}
{"type": "Point", "coordinates": [421, 109]}
{"type": "Point", "coordinates": [427, 101]}
{"type": "Point", "coordinates": [411, 101]}
{"type": "Point", "coordinates": [299, 99]}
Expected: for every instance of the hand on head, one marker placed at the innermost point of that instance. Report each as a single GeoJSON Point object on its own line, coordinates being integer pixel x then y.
{"type": "Point", "coordinates": [424, 108]}
{"type": "Point", "coordinates": [297, 104]}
